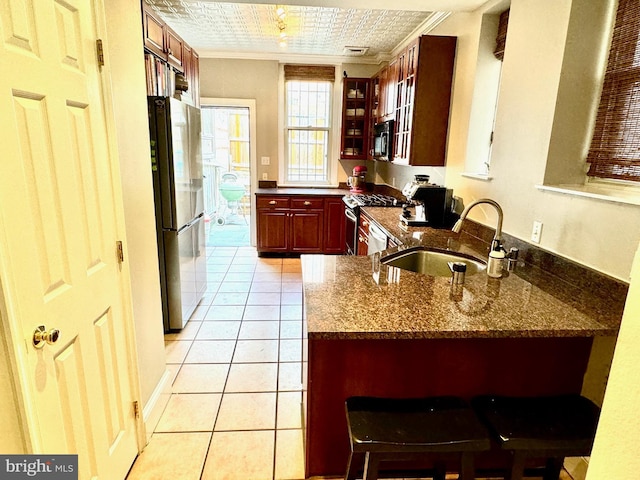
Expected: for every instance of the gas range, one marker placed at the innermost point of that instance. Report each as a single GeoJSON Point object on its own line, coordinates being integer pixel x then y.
{"type": "Point", "coordinates": [355, 200]}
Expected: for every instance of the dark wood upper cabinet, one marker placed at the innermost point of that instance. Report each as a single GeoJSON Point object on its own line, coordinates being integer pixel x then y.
{"type": "Point", "coordinates": [170, 55]}
{"type": "Point", "coordinates": [356, 107]}
{"type": "Point", "coordinates": [424, 73]}
{"type": "Point", "coordinates": [175, 50]}
{"type": "Point", "coordinates": [154, 32]}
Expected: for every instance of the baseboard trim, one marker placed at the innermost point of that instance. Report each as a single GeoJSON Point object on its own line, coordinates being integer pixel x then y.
{"type": "Point", "coordinates": [153, 409]}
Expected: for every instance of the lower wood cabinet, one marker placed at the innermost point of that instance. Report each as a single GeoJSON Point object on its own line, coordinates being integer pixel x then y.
{"type": "Point", "coordinates": [300, 224]}
{"type": "Point", "coordinates": [334, 226]}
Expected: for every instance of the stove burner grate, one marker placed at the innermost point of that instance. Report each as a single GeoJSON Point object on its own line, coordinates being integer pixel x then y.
{"type": "Point", "coordinates": [374, 200]}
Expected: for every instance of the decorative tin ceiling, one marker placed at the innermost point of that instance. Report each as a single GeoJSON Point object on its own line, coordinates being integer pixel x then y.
{"type": "Point", "coordinates": [245, 29]}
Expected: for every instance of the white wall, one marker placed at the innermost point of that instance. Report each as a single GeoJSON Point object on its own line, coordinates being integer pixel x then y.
{"type": "Point", "coordinates": [258, 79]}
{"type": "Point", "coordinates": [615, 451]}
{"type": "Point", "coordinates": [248, 79]}
{"type": "Point", "coordinates": [533, 94]}
{"type": "Point", "coordinates": [126, 62]}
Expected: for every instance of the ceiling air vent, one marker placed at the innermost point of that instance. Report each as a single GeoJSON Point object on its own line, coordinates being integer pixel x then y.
{"type": "Point", "coordinates": [355, 51]}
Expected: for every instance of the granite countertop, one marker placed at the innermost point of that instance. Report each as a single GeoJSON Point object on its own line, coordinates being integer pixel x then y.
{"type": "Point", "coordinates": [343, 300]}
{"type": "Point", "coordinates": [328, 191]}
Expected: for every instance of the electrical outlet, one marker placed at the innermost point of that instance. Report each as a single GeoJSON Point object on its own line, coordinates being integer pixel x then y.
{"type": "Point", "coordinates": [536, 233]}
{"type": "Point", "coordinates": [265, 160]}
{"type": "Point", "coordinates": [265, 176]}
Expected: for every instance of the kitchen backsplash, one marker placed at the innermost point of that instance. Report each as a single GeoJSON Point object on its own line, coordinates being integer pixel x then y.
{"type": "Point", "coordinates": [534, 259]}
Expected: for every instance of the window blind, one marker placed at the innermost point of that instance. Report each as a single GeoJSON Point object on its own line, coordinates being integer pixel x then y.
{"type": "Point", "coordinates": [615, 148]}
{"type": "Point", "coordinates": [501, 38]}
{"type": "Point", "coordinates": [323, 73]}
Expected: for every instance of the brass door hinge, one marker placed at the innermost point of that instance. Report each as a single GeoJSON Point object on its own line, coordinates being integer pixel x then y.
{"type": "Point", "coordinates": [100, 52]}
{"type": "Point", "coordinates": [136, 409]}
{"type": "Point", "coordinates": [119, 251]}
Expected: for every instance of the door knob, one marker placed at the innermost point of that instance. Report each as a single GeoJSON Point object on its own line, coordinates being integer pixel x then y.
{"type": "Point", "coordinates": [41, 336]}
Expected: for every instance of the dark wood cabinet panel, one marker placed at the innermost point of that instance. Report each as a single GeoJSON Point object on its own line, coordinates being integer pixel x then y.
{"type": "Point", "coordinates": [273, 231]}
{"type": "Point", "coordinates": [174, 50]}
{"type": "Point", "coordinates": [383, 94]}
{"type": "Point", "coordinates": [154, 32]}
{"type": "Point", "coordinates": [334, 226]}
{"type": "Point", "coordinates": [306, 231]}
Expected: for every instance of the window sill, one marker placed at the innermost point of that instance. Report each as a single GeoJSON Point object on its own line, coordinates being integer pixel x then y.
{"type": "Point", "coordinates": [629, 195]}
{"type": "Point", "coordinates": [477, 176]}
{"type": "Point", "coordinates": [310, 185]}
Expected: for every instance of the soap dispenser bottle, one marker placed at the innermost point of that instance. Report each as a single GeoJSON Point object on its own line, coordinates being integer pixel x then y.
{"type": "Point", "coordinates": [496, 259]}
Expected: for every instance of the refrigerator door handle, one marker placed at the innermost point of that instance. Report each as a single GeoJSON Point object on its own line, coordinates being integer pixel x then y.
{"type": "Point", "coordinates": [190, 224]}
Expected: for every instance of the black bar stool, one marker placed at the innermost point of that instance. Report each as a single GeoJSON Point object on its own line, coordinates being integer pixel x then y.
{"type": "Point", "coordinates": [551, 427]}
{"type": "Point", "coordinates": [385, 429]}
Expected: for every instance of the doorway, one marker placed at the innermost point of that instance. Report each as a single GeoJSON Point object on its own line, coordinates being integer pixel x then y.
{"type": "Point", "coordinates": [228, 155]}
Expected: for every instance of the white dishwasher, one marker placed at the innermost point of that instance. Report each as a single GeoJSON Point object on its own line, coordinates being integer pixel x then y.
{"type": "Point", "coordinates": [377, 239]}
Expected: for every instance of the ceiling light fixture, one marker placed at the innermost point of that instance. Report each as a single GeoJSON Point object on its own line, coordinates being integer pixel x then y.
{"type": "Point", "coordinates": [280, 12]}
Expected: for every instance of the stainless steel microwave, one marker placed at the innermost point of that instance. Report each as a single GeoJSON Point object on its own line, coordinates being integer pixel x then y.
{"type": "Point", "coordinates": [383, 140]}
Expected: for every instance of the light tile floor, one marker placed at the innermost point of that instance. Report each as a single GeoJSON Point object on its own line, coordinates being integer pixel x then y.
{"type": "Point", "coordinates": [235, 411]}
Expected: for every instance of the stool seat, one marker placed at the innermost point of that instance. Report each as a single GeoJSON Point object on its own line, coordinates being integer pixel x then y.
{"type": "Point", "coordinates": [566, 422]}
{"type": "Point", "coordinates": [552, 427]}
{"type": "Point", "coordinates": [389, 429]}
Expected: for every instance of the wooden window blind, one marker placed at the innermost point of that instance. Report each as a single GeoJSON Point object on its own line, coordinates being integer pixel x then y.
{"type": "Point", "coordinates": [322, 73]}
{"type": "Point", "coordinates": [615, 147]}
{"type": "Point", "coordinates": [501, 38]}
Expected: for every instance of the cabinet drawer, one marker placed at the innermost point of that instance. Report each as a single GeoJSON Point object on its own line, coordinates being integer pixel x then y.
{"type": "Point", "coordinates": [307, 203]}
{"type": "Point", "coordinates": [274, 201]}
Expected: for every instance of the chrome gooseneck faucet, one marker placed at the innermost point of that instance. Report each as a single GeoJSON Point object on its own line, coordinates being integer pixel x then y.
{"type": "Point", "coordinates": [496, 253]}
{"type": "Point", "coordinates": [497, 238]}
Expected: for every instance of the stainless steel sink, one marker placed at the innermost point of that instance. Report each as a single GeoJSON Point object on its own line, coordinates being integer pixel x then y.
{"type": "Point", "coordinates": [433, 262]}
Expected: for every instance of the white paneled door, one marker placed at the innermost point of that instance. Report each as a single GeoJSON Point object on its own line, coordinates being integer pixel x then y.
{"type": "Point", "coordinates": [60, 220]}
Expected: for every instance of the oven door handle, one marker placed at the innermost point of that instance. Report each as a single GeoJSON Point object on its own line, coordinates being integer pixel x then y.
{"type": "Point", "coordinates": [350, 215]}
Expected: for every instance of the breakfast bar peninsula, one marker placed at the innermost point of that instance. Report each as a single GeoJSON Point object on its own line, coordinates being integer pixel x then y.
{"type": "Point", "coordinates": [403, 334]}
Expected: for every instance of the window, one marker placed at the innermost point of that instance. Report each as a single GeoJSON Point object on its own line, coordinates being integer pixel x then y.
{"type": "Point", "coordinates": [308, 94]}
{"type": "Point", "coordinates": [615, 148]}
{"type": "Point", "coordinates": [485, 95]}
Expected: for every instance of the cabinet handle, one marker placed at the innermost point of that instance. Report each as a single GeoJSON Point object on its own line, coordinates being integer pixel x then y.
{"type": "Point", "coordinates": [272, 202]}
{"type": "Point", "coordinates": [361, 239]}
{"type": "Point", "coordinates": [307, 203]}
{"type": "Point", "coordinates": [364, 223]}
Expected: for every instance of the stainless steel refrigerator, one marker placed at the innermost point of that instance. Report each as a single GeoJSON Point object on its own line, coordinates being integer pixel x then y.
{"type": "Point", "coordinates": [176, 162]}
